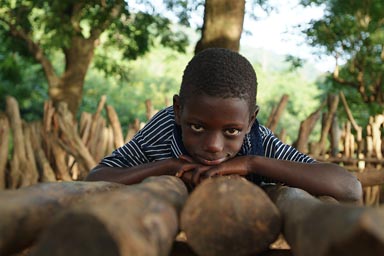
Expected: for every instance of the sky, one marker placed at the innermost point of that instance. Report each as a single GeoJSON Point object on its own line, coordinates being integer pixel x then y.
{"type": "Point", "coordinates": [274, 32]}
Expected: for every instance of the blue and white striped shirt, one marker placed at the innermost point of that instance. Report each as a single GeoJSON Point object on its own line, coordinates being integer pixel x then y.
{"type": "Point", "coordinates": [161, 139]}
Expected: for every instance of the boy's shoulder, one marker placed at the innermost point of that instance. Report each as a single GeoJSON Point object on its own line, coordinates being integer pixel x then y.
{"type": "Point", "coordinates": [264, 131]}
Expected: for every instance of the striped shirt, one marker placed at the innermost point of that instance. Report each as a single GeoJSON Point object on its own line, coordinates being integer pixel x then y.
{"type": "Point", "coordinates": [160, 139]}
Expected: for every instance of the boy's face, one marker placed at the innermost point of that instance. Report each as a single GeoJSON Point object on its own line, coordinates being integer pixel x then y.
{"type": "Point", "coordinates": [213, 128]}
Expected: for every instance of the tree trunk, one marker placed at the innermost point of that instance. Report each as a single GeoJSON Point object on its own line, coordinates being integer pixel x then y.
{"type": "Point", "coordinates": [223, 24]}
{"type": "Point", "coordinates": [316, 228]}
{"type": "Point", "coordinates": [69, 88]}
{"type": "Point", "coordinates": [26, 212]}
{"type": "Point", "coordinates": [139, 219]}
{"type": "Point", "coordinates": [228, 215]}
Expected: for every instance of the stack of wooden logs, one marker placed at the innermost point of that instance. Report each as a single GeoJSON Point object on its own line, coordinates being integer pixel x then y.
{"type": "Point", "coordinates": [60, 148]}
{"type": "Point", "coordinates": [223, 216]}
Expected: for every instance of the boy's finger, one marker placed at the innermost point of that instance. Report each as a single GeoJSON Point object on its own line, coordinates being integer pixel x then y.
{"type": "Point", "coordinates": [186, 158]}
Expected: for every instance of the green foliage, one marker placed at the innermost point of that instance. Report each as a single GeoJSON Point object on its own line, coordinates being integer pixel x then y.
{"type": "Point", "coordinates": [54, 24]}
{"type": "Point", "coordinates": [156, 76]}
{"type": "Point", "coordinates": [25, 81]}
{"type": "Point", "coordinates": [353, 32]}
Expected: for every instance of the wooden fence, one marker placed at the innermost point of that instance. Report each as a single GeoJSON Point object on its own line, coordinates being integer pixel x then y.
{"type": "Point", "coordinates": [60, 148]}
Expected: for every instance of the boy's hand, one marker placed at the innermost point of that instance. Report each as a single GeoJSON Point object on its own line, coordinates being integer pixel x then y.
{"type": "Point", "coordinates": [191, 172]}
{"type": "Point", "coordinates": [237, 165]}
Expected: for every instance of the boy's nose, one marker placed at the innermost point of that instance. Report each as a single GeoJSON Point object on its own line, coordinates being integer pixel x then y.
{"type": "Point", "coordinates": [213, 143]}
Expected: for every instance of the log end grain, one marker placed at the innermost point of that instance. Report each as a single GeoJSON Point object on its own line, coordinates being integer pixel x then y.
{"type": "Point", "coordinates": [230, 216]}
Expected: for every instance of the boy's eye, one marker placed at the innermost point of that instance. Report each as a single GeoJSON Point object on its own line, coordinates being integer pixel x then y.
{"type": "Point", "coordinates": [232, 132]}
{"type": "Point", "coordinates": [197, 128]}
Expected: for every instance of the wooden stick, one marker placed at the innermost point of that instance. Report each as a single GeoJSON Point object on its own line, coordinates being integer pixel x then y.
{"type": "Point", "coordinates": [72, 143]}
{"type": "Point", "coordinates": [276, 114]}
{"type": "Point", "coordinates": [229, 215]}
{"type": "Point", "coordinates": [140, 219]}
{"type": "Point", "coordinates": [21, 173]}
{"type": "Point", "coordinates": [26, 212]}
{"type": "Point", "coordinates": [316, 228]}
{"type": "Point", "coordinates": [4, 140]}
{"type": "Point", "coordinates": [116, 126]}
{"type": "Point", "coordinates": [306, 127]}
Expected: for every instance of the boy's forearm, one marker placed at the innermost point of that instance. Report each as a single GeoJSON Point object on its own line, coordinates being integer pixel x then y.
{"type": "Point", "coordinates": [316, 178]}
{"type": "Point", "coordinates": [131, 175]}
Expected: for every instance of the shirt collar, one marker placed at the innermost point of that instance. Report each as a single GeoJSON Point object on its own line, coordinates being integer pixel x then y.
{"type": "Point", "coordinates": [177, 145]}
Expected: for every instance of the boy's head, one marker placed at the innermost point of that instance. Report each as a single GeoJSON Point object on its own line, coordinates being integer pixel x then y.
{"type": "Point", "coordinates": [221, 73]}
{"type": "Point", "coordinates": [216, 107]}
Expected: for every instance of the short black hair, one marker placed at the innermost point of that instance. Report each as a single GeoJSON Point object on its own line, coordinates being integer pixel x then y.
{"type": "Point", "coordinates": [220, 72]}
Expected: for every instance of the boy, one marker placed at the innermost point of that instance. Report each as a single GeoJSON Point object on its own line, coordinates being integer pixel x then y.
{"type": "Point", "coordinates": [212, 129]}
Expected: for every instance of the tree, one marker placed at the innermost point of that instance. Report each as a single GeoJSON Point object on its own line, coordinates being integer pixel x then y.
{"type": "Point", "coordinates": [352, 31]}
{"type": "Point", "coordinates": [223, 20]}
{"type": "Point", "coordinates": [223, 24]}
{"type": "Point", "coordinates": [38, 28]}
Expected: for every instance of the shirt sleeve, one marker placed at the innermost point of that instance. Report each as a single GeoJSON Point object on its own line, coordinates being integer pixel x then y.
{"type": "Point", "coordinates": [274, 148]}
{"type": "Point", "coordinates": [128, 155]}
{"type": "Point", "coordinates": [138, 150]}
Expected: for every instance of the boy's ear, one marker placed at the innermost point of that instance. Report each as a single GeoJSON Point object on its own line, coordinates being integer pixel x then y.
{"type": "Point", "coordinates": [253, 118]}
{"type": "Point", "coordinates": [177, 108]}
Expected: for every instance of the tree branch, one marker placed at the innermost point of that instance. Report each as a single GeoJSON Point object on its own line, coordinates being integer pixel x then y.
{"type": "Point", "coordinates": [36, 51]}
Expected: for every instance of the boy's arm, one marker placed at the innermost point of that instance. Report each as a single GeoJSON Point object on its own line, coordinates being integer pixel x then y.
{"type": "Point", "coordinates": [316, 178]}
{"type": "Point", "coordinates": [135, 174]}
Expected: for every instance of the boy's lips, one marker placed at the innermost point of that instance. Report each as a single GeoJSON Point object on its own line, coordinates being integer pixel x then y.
{"type": "Point", "coordinates": [211, 161]}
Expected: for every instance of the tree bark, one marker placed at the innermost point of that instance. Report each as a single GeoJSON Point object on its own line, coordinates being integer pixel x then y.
{"type": "Point", "coordinates": [313, 227]}
{"type": "Point", "coordinates": [26, 212]}
{"type": "Point", "coordinates": [139, 219]}
{"type": "Point", "coordinates": [229, 216]}
{"type": "Point", "coordinates": [223, 24]}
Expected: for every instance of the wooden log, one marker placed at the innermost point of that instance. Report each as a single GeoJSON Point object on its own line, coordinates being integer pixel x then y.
{"type": "Point", "coordinates": [4, 147]}
{"type": "Point", "coordinates": [333, 102]}
{"type": "Point", "coordinates": [26, 212]}
{"type": "Point", "coordinates": [46, 172]}
{"type": "Point", "coordinates": [370, 177]}
{"type": "Point", "coordinates": [21, 172]}
{"type": "Point", "coordinates": [275, 115]}
{"type": "Point", "coordinates": [316, 228]}
{"type": "Point", "coordinates": [306, 127]}
{"type": "Point", "coordinates": [72, 143]}
{"type": "Point", "coordinates": [116, 126]}
{"type": "Point", "coordinates": [229, 215]}
{"type": "Point", "coordinates": [139, 219]}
